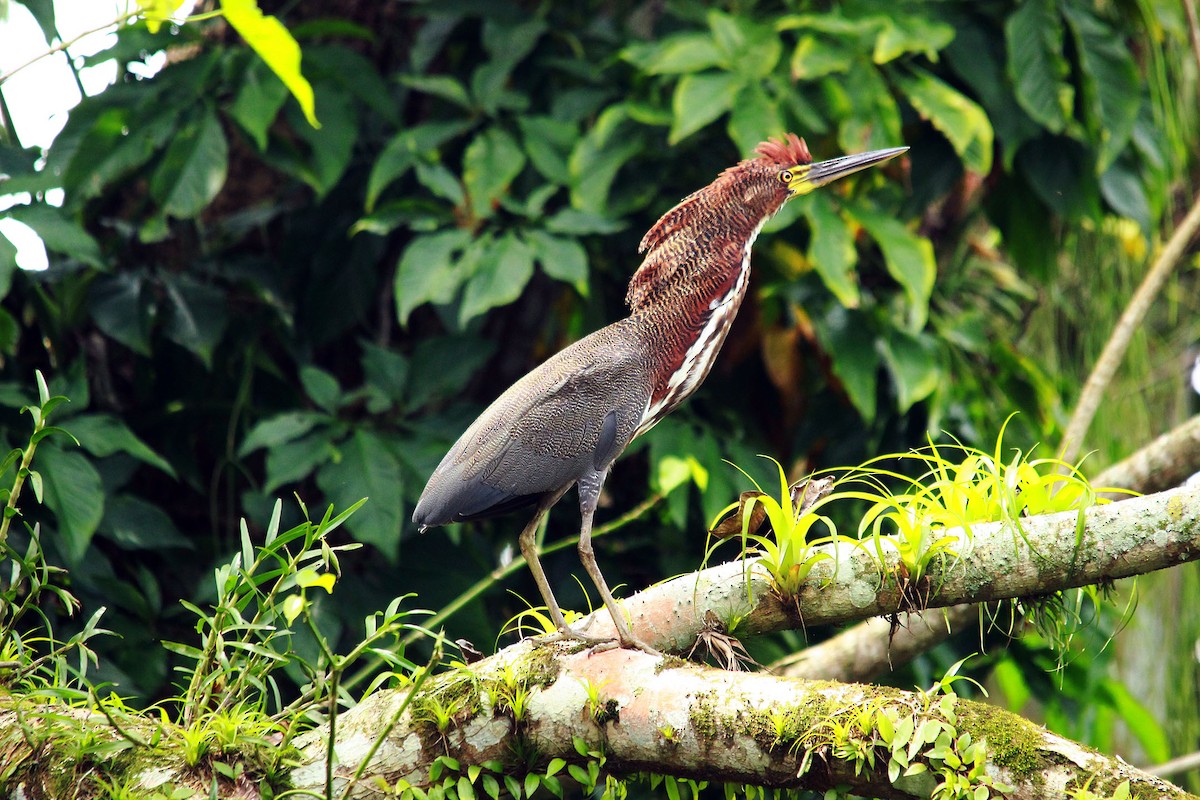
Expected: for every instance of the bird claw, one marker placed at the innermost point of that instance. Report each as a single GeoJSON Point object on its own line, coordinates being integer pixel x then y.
{"type": "Point", "coordinates": [598, 644]}
{"type": "Point", "coordinates": [569, 635]}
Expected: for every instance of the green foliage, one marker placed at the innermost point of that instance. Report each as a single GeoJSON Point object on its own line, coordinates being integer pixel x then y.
{"type": "Point", "coordinates": [242, 305]}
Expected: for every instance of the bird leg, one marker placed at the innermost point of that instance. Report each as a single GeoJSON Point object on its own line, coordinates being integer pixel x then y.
{"type": "Point", "coordinates": [528, 543]}
{"type": "Point", "coordinates": [589, 496]}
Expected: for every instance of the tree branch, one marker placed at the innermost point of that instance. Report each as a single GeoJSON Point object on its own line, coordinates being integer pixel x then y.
{"type": "Point", "coordinates": [707, 724]}
{"type": "Point", "coordinates": [872, 648]}
{"type": "Point", "coordinates": [644, 713]}
{"type": "Point", "coordinates": [1116, 541]}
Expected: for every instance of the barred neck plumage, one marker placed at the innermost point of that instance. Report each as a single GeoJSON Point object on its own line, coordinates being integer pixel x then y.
{"type": "Point", "coordinates": [688, 291]}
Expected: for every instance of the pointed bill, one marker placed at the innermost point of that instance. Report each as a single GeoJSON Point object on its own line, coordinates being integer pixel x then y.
{"type": "Point", "coordinates": [812, 176]}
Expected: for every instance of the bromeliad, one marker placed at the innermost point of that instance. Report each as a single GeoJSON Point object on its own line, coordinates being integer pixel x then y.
{"type": "Point", "coordinates": [567, 421]}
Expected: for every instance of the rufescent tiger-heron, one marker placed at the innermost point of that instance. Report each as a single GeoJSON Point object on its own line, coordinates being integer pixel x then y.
{"type": "Point", "coordinates": [565, 423]}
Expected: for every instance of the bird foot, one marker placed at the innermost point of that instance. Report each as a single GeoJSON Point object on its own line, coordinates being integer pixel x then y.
{"type": "Point", "coordinates": [566, 634]}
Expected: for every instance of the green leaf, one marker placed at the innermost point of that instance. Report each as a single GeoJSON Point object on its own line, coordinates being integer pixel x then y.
{"type": "Point", "coordinates": [501, 272]}
{"type": "Point", "coordinates": [1036, 65]}
{"type": "Point", "coordinates": [960, 119]}
{"type": "Point", "coordinates": [754, 117]}
{"type": "Point", "coordinates": [267, 36]}
{"type": "Point", "coordinates": [321, 387]}
{"type": "Point", "coordinates": [442, 86]}
{"type": "Point", "coordinates": [196, 314]}
{"type": "Point", "coordinates": [294, 461]}
{"type": "Point", "coordinates": [700, 99]}
{"type": "Point", "coordinates": [831, 250]}
{"type": "Point", "coordinates": [863, 101]}
{"type": "Point", "coordinates": [914, 363]}
{"type": "Point", "coordinates": [910, 33]}
{"type": "Point", "coordinates": [749, 48]}
{"type": "Point", "coordinates": [403, 151]}
{"type": "Point", "coordinates": [120, 310]}
{"type": "Point", "coordinates": [8, 264]}
{"type": "Point", "coordinates": [59, 234]}
{"type": "Point", "coordinates": [909, 260]}
{"type": "Point", "coordinates": [75, 494]}
{"type": "Point", "coordinates": [135, 524]}
{"type": "Point", "coordinates": [673, 55]}
{"type": "Point", "coordinates": [428, 272]}
{"type": "Point", "coordinates": [561, 258]}
{"type": "Point", "coordinates": [332, 145]}
{"type": "Point", "coordinates": [548, 142]}
{"type": "Point", "coordinates": [193, 168]}
{"type": "Point", "coordinates": [445, 364]}
{"type": "Point", "coordinates": [817, 56]}
{"type": "Point", "coordinates": [103, 435]}
{"type": "Point", "coordinates": [490, 164]}
{"type": "Point", "coordinates": [848, 339]}
{"type": "Point", "coordinates": [1110, 82]}
{"type": "Point", "coordinates": [597, 157]}
{"type": "Point", "coordinates": [368, 468]}
{"type": "Point", "coordinates": [257, 103]}
{"type": "Point", "coordinates": [276, 430]}
{"type": "Point", "coordinates": [1123, 189]}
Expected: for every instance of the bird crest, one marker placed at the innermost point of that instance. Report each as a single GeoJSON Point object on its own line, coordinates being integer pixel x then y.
{"type": "Point", "coordinates": [790, 152]}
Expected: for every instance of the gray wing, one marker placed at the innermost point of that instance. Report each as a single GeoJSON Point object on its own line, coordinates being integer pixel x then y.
{"type": "Point", "coordinates": [573, 414]}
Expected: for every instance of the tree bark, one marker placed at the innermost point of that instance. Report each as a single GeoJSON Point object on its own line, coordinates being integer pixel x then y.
{"type": "Point", "coordinates": [670, 716]}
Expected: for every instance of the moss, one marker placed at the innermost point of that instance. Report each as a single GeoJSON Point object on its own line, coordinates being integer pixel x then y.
{"type": "Point", "coordinates": [670, 662]}
{"type": "Point", "coordinates": [1012, 742]}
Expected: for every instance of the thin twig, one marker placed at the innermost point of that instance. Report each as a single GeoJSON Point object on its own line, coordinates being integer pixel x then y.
{"type": "Point", "coordinates": [1193, 28]}
{"type": "Point", "coordinates": [61, 46]}
{"type": "Point", "coordinates": [1114, 349]}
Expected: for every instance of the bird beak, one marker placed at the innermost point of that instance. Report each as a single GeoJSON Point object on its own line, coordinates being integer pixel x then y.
{"type": "Point", "coordinates": [807, 177]}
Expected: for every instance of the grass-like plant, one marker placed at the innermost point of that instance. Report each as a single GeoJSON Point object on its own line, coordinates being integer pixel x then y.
{"type": "Point", "coordinates": [785, 551]}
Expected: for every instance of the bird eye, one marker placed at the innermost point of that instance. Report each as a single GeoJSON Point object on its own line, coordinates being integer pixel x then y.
{"type": "Point", "coordinates": [785, 176]}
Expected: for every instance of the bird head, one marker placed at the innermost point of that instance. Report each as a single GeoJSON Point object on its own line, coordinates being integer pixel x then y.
{"type": "Point", "coordinates": [783, 169]}
{"type": "Point", "coordinates": [759, 186]}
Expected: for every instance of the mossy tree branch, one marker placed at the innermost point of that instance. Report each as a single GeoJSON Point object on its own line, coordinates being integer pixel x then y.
{"type": "Point", "coordinates": [708, 724]}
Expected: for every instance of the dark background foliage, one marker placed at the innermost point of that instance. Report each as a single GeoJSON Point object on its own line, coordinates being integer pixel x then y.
{"type": "Point", "coordinates": [243, 307]}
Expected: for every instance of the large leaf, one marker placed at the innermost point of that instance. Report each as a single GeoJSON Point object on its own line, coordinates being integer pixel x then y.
{"type": "Point", "coordinates": [959, 118]}
{"type": "Point", "coordinates": [196, 314]}
{"type": "Point", "coordinates": [268, 37]}
{"type": "Point", "coordinates": [548, 143]}
{"type": "Point", "coordinates": [368, 468]}
{"type": "Point", "coordinates": [403, 151]}
{"type": "Point", "coordinates": [280, 429]}
{"type": "Point", "coordinates": [502, 268]}
{"type": "Point", "coordinates": [135, 524]}
{"type": "Point", "coordinates": [490, 164]}
{"type": "Point", "coordinates": [914, 364]}
{"type": "Point", "coordinates": [749, 48]}
{"type": "Point", "coordinates": [331, 146]}
{"type": "Point", "coordinates": [60, 234]}
{"type": "Point", "coordinates": [815, 56]}
{"type": "Point", "coordinates": [909, 260]}
{"type": "Point", "coordinates": [428, 271]}
{"type": "Point", "coordinates": [700, 99]}
{"type": "Point", "coordinates": [1110, 82]}
{"type": "Point", "coordinates": [755, 116]}
{"type": "Point", "coordinates": [561, 258]}
{"type": "Point", "coordinates": [870, 117]}
{"type": "Point", "coordinates": [831, 250]}
{"type": "Point", "coordinates": [73, 491]}
{"type": "Point", "coordinates": [908, 32]}
{"type": "Point", "coordinates": [846, 336]}
{"type": "Point", "coordinates": [193, 169]}
{"type": "Point", "coordinates": [121, 310]}
{"type": "Point", "coordinates": [597, 157]}
{"type": "Point", "coordinates": [103, 435]}
{"type": "Point", "coordinates": [1036, 65]}
{"type": "Point", "coordinates": [257, 103]}
{"type": "Point", "coordinates": [679, 53]}
{"type": "Point", "coordinates": [294, 461]}
{"type": "Point", "coordinates": [8, 263]}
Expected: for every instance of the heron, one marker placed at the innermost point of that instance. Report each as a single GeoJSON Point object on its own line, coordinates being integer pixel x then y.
{"type": "Point", "coordinates": [567, 421]}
